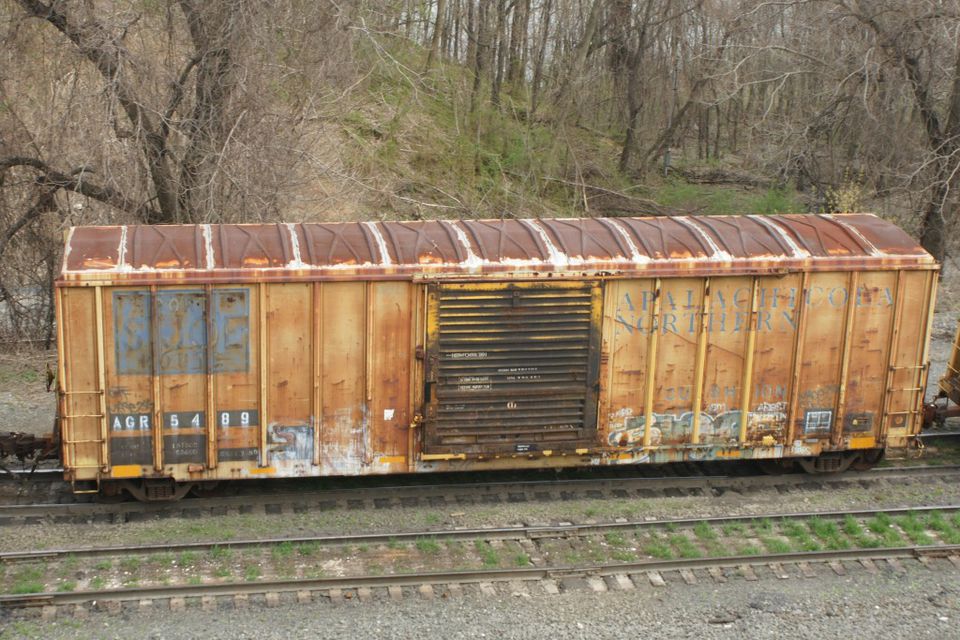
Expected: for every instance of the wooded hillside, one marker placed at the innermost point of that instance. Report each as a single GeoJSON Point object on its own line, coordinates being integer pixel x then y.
{"type": "Point", "coordinates": [186, 111]}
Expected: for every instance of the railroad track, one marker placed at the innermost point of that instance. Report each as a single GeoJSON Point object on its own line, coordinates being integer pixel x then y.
{"type": "Point", "coordinates": [936, 434]}
{"type": "Point", "coordinates": [540, 578]}
{"type": "Point", "coordinates": [465, 494]}
{"type": "Point", "coordinates": [518, 532]}
{"type": "Point", "coordinates": [547, 581]}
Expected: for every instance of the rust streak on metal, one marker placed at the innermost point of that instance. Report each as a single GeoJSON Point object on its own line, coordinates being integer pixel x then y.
{"type": "Point", "coordinates": [797, 364]}
{"type": "Point", "coordinates": [702, 338]}
{"type": "Point", "coordinates": [316, 336]}
{"type": "Point", "coordinates": [750, 353]}
{"type": "Point", "coordinates": [891, 356]}
{"type": "Point", "coordinates": [156, 426]}
{"type": "Point", "coordinates": [648, 395]}
{"type": "Point", "coordinates": [263, 357]}
{"type": "Point", "coordinates": [840, 407]}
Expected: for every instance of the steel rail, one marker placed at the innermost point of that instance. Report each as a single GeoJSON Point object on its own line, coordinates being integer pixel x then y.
{"type": "Point", "coordinates": [327, 499]}
{"type": "Point", "coordinates": [525, 574]}
{"type": "Point", "coordinates": [31, 475]}
{"type": "Point", "coordinates": [532, 532]}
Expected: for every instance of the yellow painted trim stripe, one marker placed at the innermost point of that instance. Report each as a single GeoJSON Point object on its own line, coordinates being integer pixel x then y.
{"type": "Point", "coordinates": [393, 459]}
{"type": "Point", "coordinates": [443, 456]}
{"type": "Point", "coordinates": [126, 471]}
{"type": "Point", "coordinates": [264, 470]}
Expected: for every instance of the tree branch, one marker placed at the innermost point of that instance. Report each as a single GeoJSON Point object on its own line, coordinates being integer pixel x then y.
{"type": "Point", "coordinates": [45, 202]}
{"type": "Point", "coordinates": [177, 95]}
{"type": "Point", "coordinates": [95, 42]}
{"type": "Point", "coordinates": [75, 181]}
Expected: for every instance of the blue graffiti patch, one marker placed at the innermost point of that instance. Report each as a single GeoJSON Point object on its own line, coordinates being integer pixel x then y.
{"type": "Point", "coordinates": [231, 331]}
{"type": "Point", "coordinates": [132, 332]}
{"type": "Point", "coordinates": [181, 332]}
{"type": "Point", "coordinates": [181, 341]}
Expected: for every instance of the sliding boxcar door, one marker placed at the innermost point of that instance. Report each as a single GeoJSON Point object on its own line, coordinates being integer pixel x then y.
{"type": "Point", "coordinates": [512, 367]}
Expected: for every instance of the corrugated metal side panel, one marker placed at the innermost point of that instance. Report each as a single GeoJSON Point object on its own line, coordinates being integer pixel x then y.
{"type": "Point", "coordinates": [288, 380]}
{"type": "Point", "coordinates": [776, 321]}
{"type": "Point", "coordinates": [80, 383]}
{"type": "Point", "coordinates": [512, 367]}
{"type": "Point", "coordinates": [822, 348]}
{"type": "Point", "coordinates": [817, 346]}
{"type": "Point", "coordinates": [234, 408]}
{"type": "Point", "coordinates": [181, 337]}
{"type": "Point", "coordinates": [129, 319]}
{"type": "Point", "coordinates": [676, 360]}
{"type": "Point", "coordinates": [391, 356]}
{"type": "Point", "coordinates": [701, 341]}
{"type": "Point", "coordinates": [909, 343]}
{"type": "Point", "coordinates": [725, 357]}
{"type": "Point", "coordinates": [345, 438]}
{"type": "Point", "coordinates": [626, 326]}
{"type": "Point", "coordinates": [220, 382]}
{"type": "Point", "coordinates": [869, 350]}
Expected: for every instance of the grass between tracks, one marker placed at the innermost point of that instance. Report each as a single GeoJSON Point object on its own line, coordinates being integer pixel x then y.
{"type": "Point", "coordinates": [286, 560]}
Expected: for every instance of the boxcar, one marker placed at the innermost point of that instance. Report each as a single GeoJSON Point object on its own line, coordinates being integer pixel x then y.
{"type": "Point", "coordinates": [199, 353]}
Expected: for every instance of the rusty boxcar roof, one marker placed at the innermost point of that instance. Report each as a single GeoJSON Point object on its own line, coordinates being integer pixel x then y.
{"type": "Point", "coordinates": [665, 246]}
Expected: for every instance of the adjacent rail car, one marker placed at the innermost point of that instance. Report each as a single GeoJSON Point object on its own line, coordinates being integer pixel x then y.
{"type": "Point", "coordinates": [200, 353]}
{"type": "Point", "coordinates": [946, 404]}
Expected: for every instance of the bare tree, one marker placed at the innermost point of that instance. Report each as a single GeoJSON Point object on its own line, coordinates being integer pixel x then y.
{"type": "Point", "coordinates": [909, 37]}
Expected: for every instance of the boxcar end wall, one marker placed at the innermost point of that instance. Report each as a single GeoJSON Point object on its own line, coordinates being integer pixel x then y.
{"type": "Point", "coordinates": [212, 352]}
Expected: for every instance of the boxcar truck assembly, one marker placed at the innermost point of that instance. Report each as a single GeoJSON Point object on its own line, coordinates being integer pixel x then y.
{"type": "Point", "coordinates": [195, 354]}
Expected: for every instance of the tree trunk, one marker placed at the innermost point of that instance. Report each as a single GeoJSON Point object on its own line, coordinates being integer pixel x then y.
{"type": "Point", "coordinates": [471, 59]}
{"type": "Point", "coordinates": [565, 97]}
{"type": "Point", "coordinates": [209, 30]}
{"type": "Point", "coordinates": [500, 54]}
{"type": "Point", "coordinates": [481, 53]}
{"type": "Point", "coordinates": [933, 238]}
{"type": "Point", "coordinates": [541, 53]}
{"type": "Point", "coordinates": [435, 40]}
{"type": "Point", "coordinates": [518, 30]}
{"type": "Point", "coordinates": [629, 139]}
